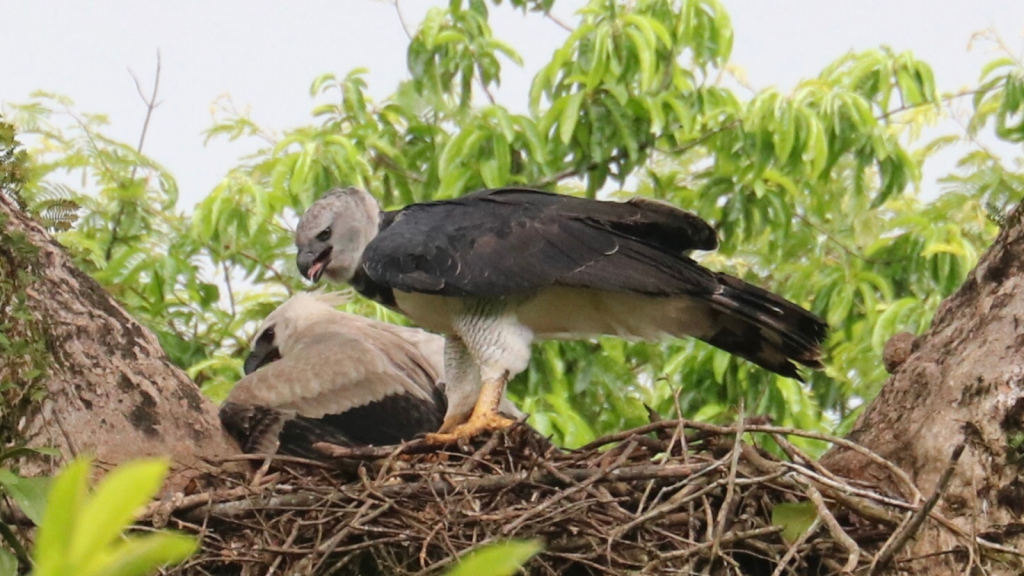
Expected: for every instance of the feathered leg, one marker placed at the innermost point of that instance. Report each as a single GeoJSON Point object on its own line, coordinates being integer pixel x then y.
{"type": "Point", "coordinates": [485, 416]}
{"type": "Point", "coordinates": [500, 347]}
{"type": "Point", "coordinates": [462, 383]}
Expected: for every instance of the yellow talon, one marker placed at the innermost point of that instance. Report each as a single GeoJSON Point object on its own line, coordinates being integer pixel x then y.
{"type": "Point", "coordinates": [477, 424]}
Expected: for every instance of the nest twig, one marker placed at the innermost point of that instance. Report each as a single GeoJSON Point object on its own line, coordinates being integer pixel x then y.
{"type": "Point", "coordinates": [672, 497]}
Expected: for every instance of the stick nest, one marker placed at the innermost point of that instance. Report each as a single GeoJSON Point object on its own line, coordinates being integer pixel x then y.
{"type": "Point", "coordinates": [672, 497]}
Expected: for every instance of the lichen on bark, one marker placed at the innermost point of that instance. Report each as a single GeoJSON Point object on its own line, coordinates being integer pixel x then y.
{"type": "Point", "coordinates": [24, 353]}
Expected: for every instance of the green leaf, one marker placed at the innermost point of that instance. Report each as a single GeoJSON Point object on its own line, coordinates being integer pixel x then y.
{"type": "Point", "coordinates": [142, 555]}
{"type": "Point", "coordinates": [497, 559]}
{"type": "Point", "coordinates": [120, 494]}
{"type": "Point", "coordinates": [15, 543]}
{"type": "Point", "coordinates": [908, 87]}
{"type": "Point", "coordinates": [25, 451]}
{"type": "Point", "coordinates": [8, 563]}
{"type": "Point", "coordinates": [645, 53]}
{"type": "Point", "coordinates": [320, 81]}
{"type": "Point", "coordinates": [888, 323]}
{"type": "Point", "coordinates": [722, 359]}
{"type": "Point", "coordinates": [457, 149]}
{"type": "Point", "coordinates": [28, 493]}
{"type": "Point", "coordinates": [816, 151]}
{"type": "Point", "coordinates": [785, 131]}
{"type": "Point", "coordinates": [495, 169]}
{"type": "Point", "coordinates": [795, 518]}
{"type": "Point", "coordinates": [599, 64]}
{"type": "Point", "coordinates": [448, 37]}
{"type": "Point", "coordinates": [60, 521]}
{"type": "Point", "coordinates": [841, 305]}
{"type": "Point", "coordinates": [570, 115]}
{"type": "Point", "coordinates": [998, 63]}
{"type": "Point", "coordinates": [209, 294]}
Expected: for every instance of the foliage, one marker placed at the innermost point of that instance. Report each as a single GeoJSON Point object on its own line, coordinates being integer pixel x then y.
{"type": "Point", "coordinates": [29, 494]}
{"type": "Point", "coordinates": [795, 517]}
{"type": "Point", "coordinates": [497, 559]}
{"type": "Point", "coordinates": [12, 162]}
{"type": "Point", "coordinates": [81, 532]}
{"type": "Point", "coordinates": [24, 355]}
{"type": "Point", "coordinates": [815, 193]}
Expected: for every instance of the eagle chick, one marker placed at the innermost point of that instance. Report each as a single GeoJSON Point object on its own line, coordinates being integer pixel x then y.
{"type": "Point", "coordinates": [316, 374]}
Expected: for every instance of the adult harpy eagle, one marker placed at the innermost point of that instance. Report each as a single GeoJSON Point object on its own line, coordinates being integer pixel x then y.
{"type": "Point", "coordinates": [496, 268]}
{"type": "Point", "coordinates": [316, 374]}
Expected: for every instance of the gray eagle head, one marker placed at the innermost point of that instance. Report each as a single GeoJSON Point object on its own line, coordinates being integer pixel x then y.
{"type": "Point", "coordinates": [333, 233]}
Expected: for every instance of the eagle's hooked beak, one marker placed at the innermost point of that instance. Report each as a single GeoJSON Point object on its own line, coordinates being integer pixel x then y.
{"type": "Point", "coordinates": [263, 353]}
{"type": "Point", "coordinates": [312, 267]}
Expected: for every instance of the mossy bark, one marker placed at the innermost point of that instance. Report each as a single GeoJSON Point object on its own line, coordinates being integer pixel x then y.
{"type": "Point", "coordinates": [107, 388]}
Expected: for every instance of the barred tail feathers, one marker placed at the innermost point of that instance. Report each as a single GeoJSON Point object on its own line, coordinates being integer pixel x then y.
{"type": "Point", "coordinates": [765, 329]}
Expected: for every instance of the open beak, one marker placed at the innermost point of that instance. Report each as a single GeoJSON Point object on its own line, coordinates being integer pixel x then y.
{"type": "Point", "coordinates": [315, 269]}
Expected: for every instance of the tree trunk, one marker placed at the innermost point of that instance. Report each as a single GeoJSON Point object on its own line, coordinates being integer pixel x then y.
{"type": "Point", "coordinates": [962, 383]}
{"type": "Point", "coordinates": [106, 387]}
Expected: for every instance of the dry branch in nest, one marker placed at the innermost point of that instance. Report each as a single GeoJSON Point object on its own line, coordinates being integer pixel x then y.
{"type": "Point", "coordinates": [672, 497]}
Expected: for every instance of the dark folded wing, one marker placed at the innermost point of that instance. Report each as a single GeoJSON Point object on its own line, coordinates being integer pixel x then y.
{"type": "Point", "coordinates": [514, 241]}
{"type": "Point", "coordinates": [256, 428]}
{"type": "Point", "coordinates": [264, 430]}
{"type": "Point", "coordinates": [391, 420]}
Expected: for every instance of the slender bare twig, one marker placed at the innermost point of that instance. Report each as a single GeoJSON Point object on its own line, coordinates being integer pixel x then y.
{"type": "Point", "coordinates": [725, 512]}
{"type": "Point", "coordinates": [904, 533]}
{"type": "Point", "coordinates": [795, 546]}
{"type": "Point", "coordinates": [727, 538]}
{"type": "Point", "coordinates": [602, 473]}
{"type": "Point", "coordinates": [227, 283]}
{"type": "Point", "coordinates": [280, 278]}
{"type": "Point", "coordinates": [945, 99]}
{"type": "Point", "coordinates": [151, 105]}
{"type": "Point", "coordinates": [287, 544]}
{"type": "Point", "coordinates": [401, 19]}
{"type": "Point", "coordinates": [559, 22]}
{"type": "Point", "coordinates": [575, 171]}
{"type": "Point", "coordinates": [840, 535]}
{"type": "Point", "coordinates": [838, 242]}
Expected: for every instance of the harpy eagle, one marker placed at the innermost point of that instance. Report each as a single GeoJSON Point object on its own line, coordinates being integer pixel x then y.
{"type": "Point", "coordinates": [495, 269]}
{"type": "Point", "coordinates": [316, 374]}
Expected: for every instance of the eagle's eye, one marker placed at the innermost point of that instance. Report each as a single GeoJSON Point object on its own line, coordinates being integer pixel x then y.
{"type": "Point", "coordinates": [325, 235]}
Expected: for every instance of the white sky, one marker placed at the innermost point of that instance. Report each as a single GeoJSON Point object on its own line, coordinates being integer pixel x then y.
{"type": "Point", "coordinates": [265, 54]}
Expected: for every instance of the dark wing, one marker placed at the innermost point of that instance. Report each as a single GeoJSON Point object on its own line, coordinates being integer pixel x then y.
{"type": "Point", "coordinates": [513, 241]}
{"type": "Point", "coordinates": [764, 328]}
{"type": "Point", "coordinates": [265, 430]}
{"type": "Point", "coordinates": [256, 428]}
{"type": "Point", "coordinates": [390, 420]}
